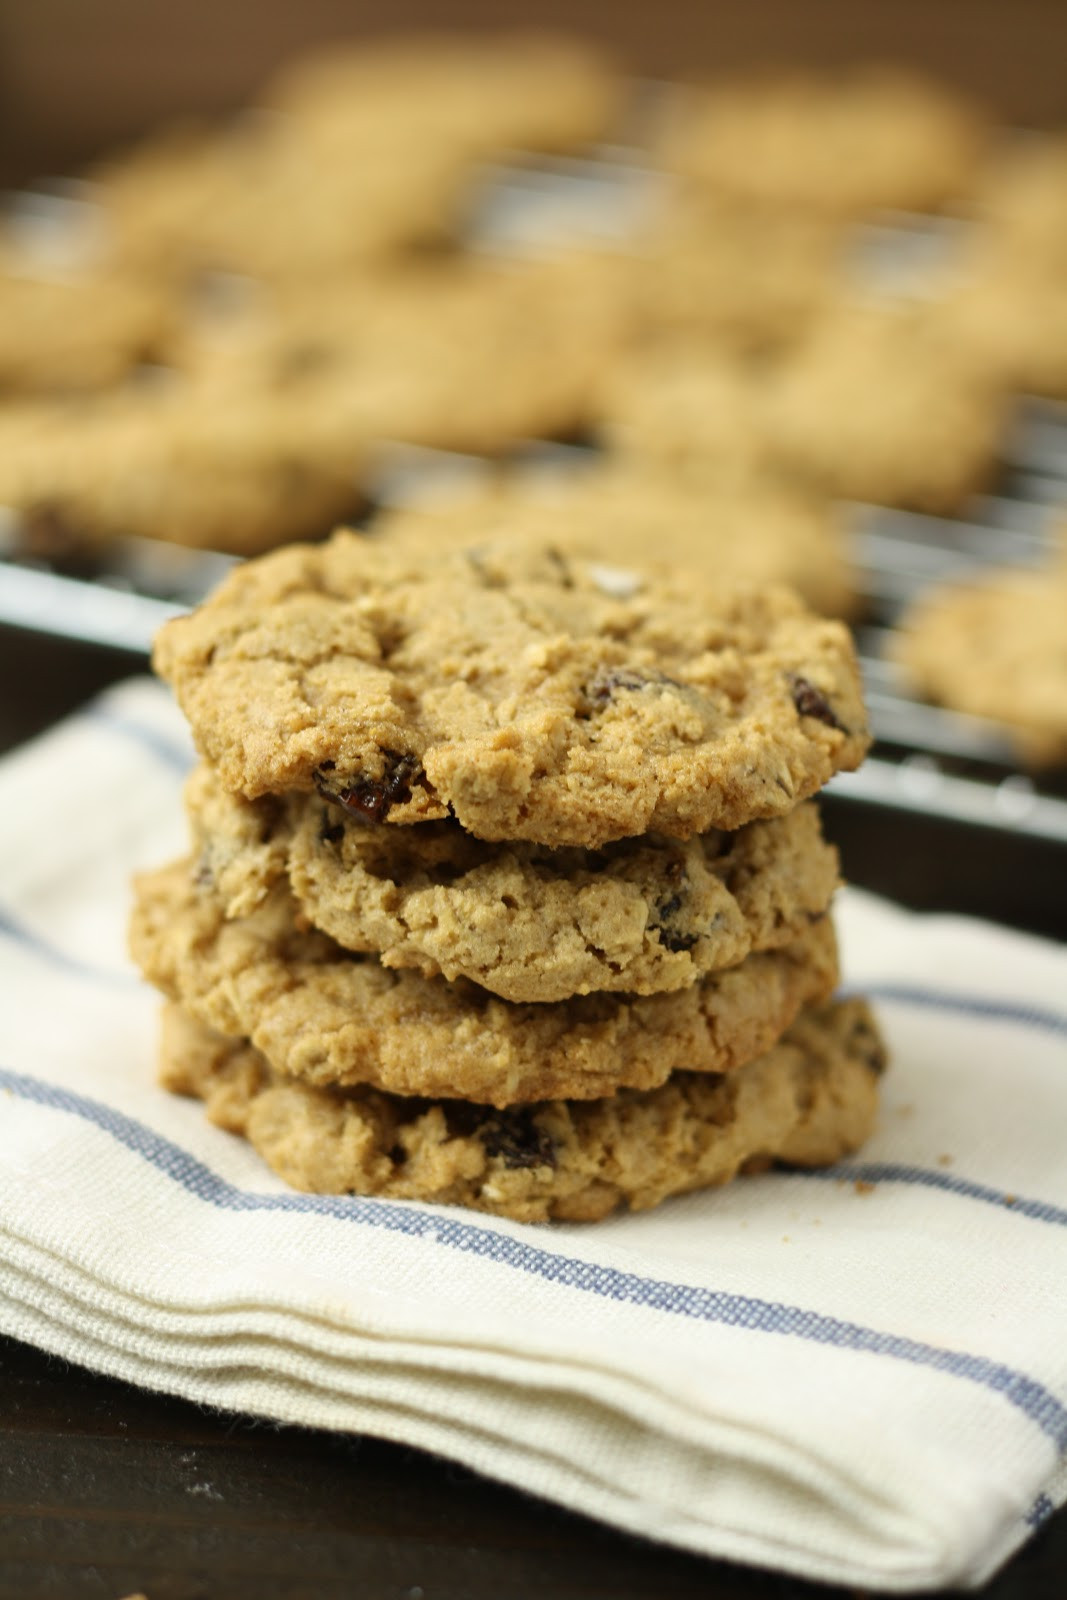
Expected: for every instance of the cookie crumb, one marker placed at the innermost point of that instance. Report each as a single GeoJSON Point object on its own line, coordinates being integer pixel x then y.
{"type": "Point", "coordinates": [861, 1186]}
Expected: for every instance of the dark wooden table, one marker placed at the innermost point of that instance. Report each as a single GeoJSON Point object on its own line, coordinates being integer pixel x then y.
{"type": "Point", "coordinates": [106, 1490]}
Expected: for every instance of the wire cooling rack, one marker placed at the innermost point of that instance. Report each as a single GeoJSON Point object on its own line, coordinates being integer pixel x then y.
{"type": "Point", "coordinates": [926, 760]}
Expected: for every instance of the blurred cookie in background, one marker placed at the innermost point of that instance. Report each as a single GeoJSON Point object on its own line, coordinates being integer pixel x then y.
{"type": "Point", "coordinates": [875, 405]}
{"type": "Point", "coordinates": [866, 138]}
{"type": "Point", "coordinates": [870, 404]}
{"type": "Point", "coordinates": [996, 647]}
{"type": "Point", "coordinates": [480, 93]}
{"type": "Point", "coordinates": [82, 332]}
{"type": "Point", "coordinates": [626, 513]}
{"type": "Point", "coordinates": [1019, 195]}
{"type": "Point", "coordinates": [740, 274]}
{"type": "Point", "coordinates": [167, 461]}
{"type": "Point", "coordinates": [352, 154]}
{"type": "Point", "coordinates": [258, 432]}
{"type": "Point", "coordinates": [462, 354]}
{"type": "Point", "coordinates": [259, 198]}
{"type": "Point", "coordinates": [1006, 308]}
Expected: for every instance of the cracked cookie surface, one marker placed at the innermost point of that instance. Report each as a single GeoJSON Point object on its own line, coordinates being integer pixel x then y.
{"type": "Point", "coordinates": [808, 1101]}
{"type": "Point", "coordinates": [322, 1014]}
{"type": "Point", "coordinates": [528, 694]}
{"type": "Point", "coordinates": [529, 923]}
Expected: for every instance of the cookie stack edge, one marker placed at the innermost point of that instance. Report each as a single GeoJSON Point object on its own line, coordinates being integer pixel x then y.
{"type": "Point", "coordinates": [541, 1026]}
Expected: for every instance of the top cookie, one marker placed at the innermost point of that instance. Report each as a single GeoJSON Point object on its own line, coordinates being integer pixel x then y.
{"type": "Point", "coordinates": [530, 695]}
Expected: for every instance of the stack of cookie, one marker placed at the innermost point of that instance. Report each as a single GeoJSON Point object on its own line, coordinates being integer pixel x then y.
{"type": "Point", "coordinates": [507, 889]}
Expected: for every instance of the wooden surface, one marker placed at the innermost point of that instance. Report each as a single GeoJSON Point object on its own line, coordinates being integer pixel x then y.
{"type": "Point", "coordinates": [106, 1490]}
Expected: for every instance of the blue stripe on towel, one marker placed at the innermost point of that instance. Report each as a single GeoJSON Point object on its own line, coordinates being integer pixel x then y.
{"type": "Point", "coordinates": [1026, 1394]}
{"type": "Point", "coordinates": [947, 1182]}
{"type": "Point", "coordinates": [914, 994]}
{"type": "Point", "coordinates": [1040, 1511]}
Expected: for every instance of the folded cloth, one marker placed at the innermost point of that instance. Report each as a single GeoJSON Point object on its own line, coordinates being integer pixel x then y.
{"type": "Point", "coordinates": [857, 1374]}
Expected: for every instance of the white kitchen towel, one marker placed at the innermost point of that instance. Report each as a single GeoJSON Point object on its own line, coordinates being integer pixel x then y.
{"type": "Point", "coordinates": [859, 1375]}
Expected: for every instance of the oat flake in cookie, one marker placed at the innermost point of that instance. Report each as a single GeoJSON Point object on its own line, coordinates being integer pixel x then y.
{"type": "Point", "coordinates": [530, 695]}
{"type": "Point", "coordinates": [808, 1101]}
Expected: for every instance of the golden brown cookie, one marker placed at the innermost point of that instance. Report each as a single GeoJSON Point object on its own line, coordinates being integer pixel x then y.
{"type": "Point", "coordinates": [324, 1015]}
{"type": "Point", "coordinates": [461, 354]}
{"type": "Point", "coordinates": [531, 695]}
{"type": "Point", "coordinates": [478, 94]}
{"type": "Point", "coordinates": [743, 275]}
{"type": "Point", "coordinates": [642, 916]}
{"type": "Point", "coordinates": [354, 155]}
{"type": "Point", "coordinates": [808, 1101]}
{"type": "Point", "coordinates": [875, 404]}
{"type": "Point", "coordinates": [871, 404]}
{"type": "Point", "coordinates": [171, 461]}
{"type": "Point", "coordinates": [79, 333]}
{"type": "Point", "coordinates": [1019, 195]}
{"type": "Point", "coordinates": [262, 197]}
{"type": "Point", "coordinates": [263, 431]}
{"type": "Point", "coordinates": [1007, 309]}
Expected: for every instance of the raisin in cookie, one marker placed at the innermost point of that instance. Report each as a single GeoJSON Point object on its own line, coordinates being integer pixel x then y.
{"type": "Point", "coordinates": [327, 1016]}
{"type": "Point", "coordinates": [529, 695]}
{"type": "Point", "coordinates": [808, 1101]}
